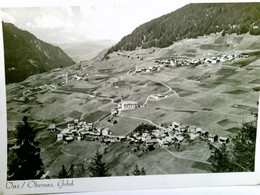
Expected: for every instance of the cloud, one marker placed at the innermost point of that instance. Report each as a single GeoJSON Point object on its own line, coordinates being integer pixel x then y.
{"type": "Point", "coordinates": [72, 38]}
{"type": "Point", "coordinates": [95, 20]}
{"type": "Point", "coordinates": [48, 21]}
{"type": "Point", "coordinates": [7, 18]}
{"type": "Point", "coordinates": [117, 18]}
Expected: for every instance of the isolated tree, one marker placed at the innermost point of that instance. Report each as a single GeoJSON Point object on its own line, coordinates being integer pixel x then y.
{"type": "Point", "coordinates": [27, 163]}
{"type": "Point", "coordinates": [97, 167]}
{"type": "Point", "coordinates": [63, 173]}
{"type": "Point", "coordinates": [137, 171]}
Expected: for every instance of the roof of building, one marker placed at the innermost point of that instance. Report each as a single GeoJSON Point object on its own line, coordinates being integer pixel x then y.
{"type": "Point", "coordinates": [129, 102]}
{"type": "Point", "coordinates": [69, 138]}
{"type": "Point", "coordinates": [223, 138]}
{"type": "Point", "coordinates": [65, 131]}
{"type": "Point", "coordinates": [52, 126]}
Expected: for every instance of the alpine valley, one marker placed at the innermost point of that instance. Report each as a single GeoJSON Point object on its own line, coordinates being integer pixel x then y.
{"type": "Point", "coordinates": [157, 99]}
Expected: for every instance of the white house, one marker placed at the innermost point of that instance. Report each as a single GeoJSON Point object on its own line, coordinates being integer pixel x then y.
{"type": "Point", "coordinates": [90, 125]}
{"type": "Point", "coordinates": [69, 139]}
{"type": "Point", "coordinates": [179, 138]}
{"type": "Point", "coordinates": [192, 129]}
{"type": "Point", "coordinates": [198, 131]}
{"type": "Point", "coordinates": [223, 140]}
{"type": "Point", "coordinates": [105, 132]}
{"type": "Point", "coordinates": [114, 112]}
{"type": "Point", "coordinates": [76, 121]}
{"type": "Point", "coordinates": [192, 136]}
{"type": "Point", "coordinates": [59, 137]}
{"type": "Point", "coordinates": [204, 134]}
{"type": "Point", "coordinates": [212, 137]}
{"type": "Point", "coordinates": [172, 63]}
{"type": "Point", "coordinates": [175, 124]}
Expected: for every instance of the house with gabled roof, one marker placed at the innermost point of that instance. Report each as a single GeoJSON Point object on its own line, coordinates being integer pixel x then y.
{"type": "Point", "coordinates": [175, 124]}
{"type": "Point", "coordinates": [68, 139]}
{"type": "Point", "coordinates": [212, 137]}
{"type": "Point", "coordinates": [223, 140]}
{"type": "Point", "coordinates": [204, 134]}
{"type": "Point", "coordinates": [52, 128]}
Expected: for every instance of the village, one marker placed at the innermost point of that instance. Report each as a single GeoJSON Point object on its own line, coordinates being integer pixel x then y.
{"type": "Point", "coordinates": [158, 137]}
{"type": "Point", "coordinates": [149, 138]}
{"type": "Point", "coordinates": [159, 64]}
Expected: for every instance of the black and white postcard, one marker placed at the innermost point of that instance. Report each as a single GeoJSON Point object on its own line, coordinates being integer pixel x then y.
{"type": "Point", "coordinates": [118, 95]}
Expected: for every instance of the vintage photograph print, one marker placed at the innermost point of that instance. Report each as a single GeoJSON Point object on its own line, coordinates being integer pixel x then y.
{"type": "Point", "coordinates": [113, 89]}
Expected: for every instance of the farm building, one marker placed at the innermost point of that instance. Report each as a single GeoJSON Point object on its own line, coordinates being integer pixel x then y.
{"type": "Point", "coordinates": [212, 137]}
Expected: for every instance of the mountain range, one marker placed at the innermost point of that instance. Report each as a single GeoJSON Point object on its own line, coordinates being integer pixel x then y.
{"type": "Point", "coordinates": [26, 55]}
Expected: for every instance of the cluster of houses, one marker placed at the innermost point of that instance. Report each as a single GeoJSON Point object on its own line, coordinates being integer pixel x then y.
{"type": "Point", "coordinates": [175, 133]}
{"type": "Point", "coordinates": [161, 137]}
{"type": "Point", "coordinates": [159, 64]}
{"type": "Point", "coordinates": [79, 130]}
{"type": "Point", "coordinates": [81, 77]}
{"type": "Point", "coordinates": [29, 90]}
{"type": "Point", "coordinates": [128, 56]}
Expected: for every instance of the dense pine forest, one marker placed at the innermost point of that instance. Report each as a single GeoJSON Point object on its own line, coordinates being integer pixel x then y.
{"type": "Point", "coordinates": [191, 21]}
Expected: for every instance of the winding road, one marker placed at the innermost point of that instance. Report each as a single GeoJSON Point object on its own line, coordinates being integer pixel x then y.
{"type": "Point", "coordinates": [169, 90]}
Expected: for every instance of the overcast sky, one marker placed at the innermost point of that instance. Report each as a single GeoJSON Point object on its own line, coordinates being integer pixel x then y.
{"type": "Point", "coordinates": [95, 20]}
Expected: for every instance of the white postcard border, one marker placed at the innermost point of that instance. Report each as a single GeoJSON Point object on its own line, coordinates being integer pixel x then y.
{"type": "Point", "coordinates": [107, 183]}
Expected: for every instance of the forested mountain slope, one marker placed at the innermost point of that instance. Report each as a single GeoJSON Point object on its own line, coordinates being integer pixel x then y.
{"type": "Point", "coordinates": [26, 55]}
{"type": "Point", "coordinates": [191, 21]}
